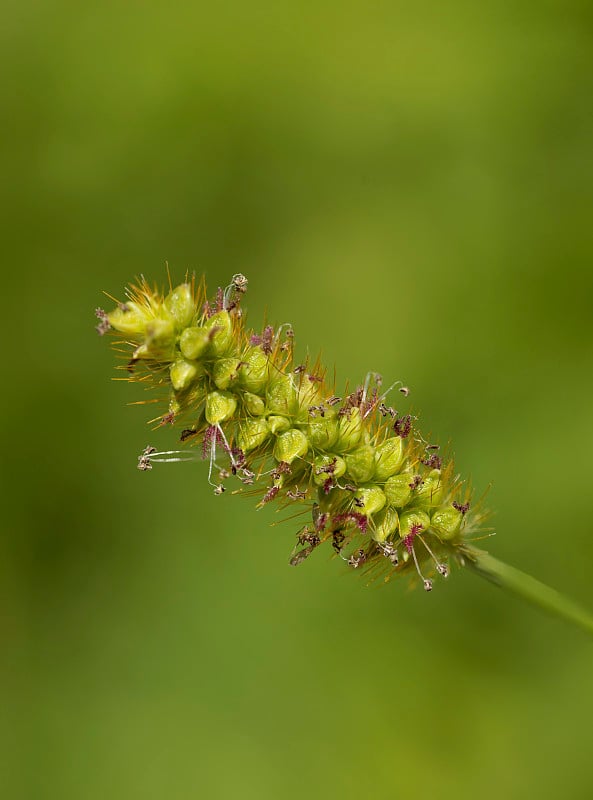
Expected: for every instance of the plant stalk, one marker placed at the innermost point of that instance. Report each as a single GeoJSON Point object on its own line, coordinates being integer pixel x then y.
{"type": "Point", "coordinates": [523, 585]}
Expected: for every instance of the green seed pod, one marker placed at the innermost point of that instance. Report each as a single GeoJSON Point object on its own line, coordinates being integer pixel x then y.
{"type": "Point", "coordinates": [183, 373]}
{"type": "Point", "coordinates": [160, 341]}
{"type": "Point", "coordinates": [255, 370]}
{"type": "Point", "coordinates": [254, 404]}
{"type": "Point", "coordinates": [194, 342]}
{"type": "Point", "coordinates": [252, 433]}
{"type": "Point", "coordinates": [322, 432]}
{"type": "Point", "coordinates": [430, 492]}
{"type": "Point", "coordinates": [278, 424]}
{"type": "Point", "coordinates": [388, 458]}
{"type": "Point", "coordinates": [446, 522]}
{"type": "Point", "coordinates": [281, 396]}
{"type": "Point", "coordinates": [372, 499]}
{"type": "Point", "coordinates": [220, 406]}
{"type": "Point", "coordinates": [224, 372]}
{"type": "Point", "coordinates": [386, 523]}
{"type": "Point", "coordinates": [309, 394]}
{"type": "Point", "coordinates": [131, 319]}
{"type": "Point", "coordinates": [349, 430]}
{"type": "Point", "coordinates": [413, 519]}
{"type": "Point", "coordinates": [398, 490]}
{"type": "Point", "coordinates": [360, 464]}
{"type": "Point", "coordinates": [320, 471]}
{"type": "Point", "coordinates": [220, 328]}
{"type": "Point", "coordinates": [180, 305]}
{"type": "Point", "coordinates": [335, 501]}
{"type": "Point", "coordinates": [290, 445]}
{"type": "Point", "coordinates": [160, 331]}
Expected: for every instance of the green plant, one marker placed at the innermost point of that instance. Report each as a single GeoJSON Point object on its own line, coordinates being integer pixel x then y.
{"type": "Point", "coordinates": [373, 488]}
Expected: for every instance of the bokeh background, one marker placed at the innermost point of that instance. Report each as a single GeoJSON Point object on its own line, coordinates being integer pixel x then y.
{"type": "Point", "coordinates": [411, 186]}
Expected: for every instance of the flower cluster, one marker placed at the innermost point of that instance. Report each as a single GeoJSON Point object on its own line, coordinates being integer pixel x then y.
{"type": "Point", "coordinates": [385, 500]}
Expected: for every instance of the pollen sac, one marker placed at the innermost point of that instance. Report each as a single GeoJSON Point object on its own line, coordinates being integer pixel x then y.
{"type": "Point", "coordinates": [370, 500]}
{"type": "Point", "coordinates": [386, 523]}
{"type": "Point", "coordinates": [290, 445]}
{"type": "Point", "coordinates": [388, 458]}
{"type": "Point", "coordinates": [183, 373]}
{"type": "Point", "coordinates": [430, 492]}
{"type": "Point", "coordinates": [220, 406]}
{"type": "Point", "coordinates": [220, 330]}
{"type": "Point", "coordinates": [254, 371]}
{"type": "Point", "coordinates": [180, 304]}
{"type": "Point", "coordinates": [225, 371]}
{"type": "Point", "coordinates": [413, 519]}
{"type": "Point", "coordinates": [360, 464]}
{"type": "Point", "coordinates": [252, 433]}
{"type": "Point", "coordinates": [398, 489]}
{"type": "Point", "coordinates": [254, 404]}
{"type": "Point", "coordinates": [349, 431]}
{"type": "Point", "coordinates": [281, 396]}
{"type": "Point", "coordinates": [446, 522]}
{"type": "Point", "coordinates": [194, 342]}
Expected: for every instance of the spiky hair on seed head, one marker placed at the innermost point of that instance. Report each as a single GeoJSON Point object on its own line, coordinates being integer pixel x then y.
{"type": "Point", "coordinates": [386, 502]}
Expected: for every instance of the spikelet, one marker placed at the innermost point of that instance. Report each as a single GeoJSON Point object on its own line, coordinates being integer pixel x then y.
{"type": "Point", "coordinates": [371, 487]}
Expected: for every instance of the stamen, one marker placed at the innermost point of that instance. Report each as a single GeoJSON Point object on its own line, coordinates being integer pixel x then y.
{"type": "Point", "coordinates": [103, 325]}
{"type": "Point", "coordinates": [237, 286]}
{"type": "Point", "coordinates": [356, 559]}
{"type": "Point", "coordinates": [409, 545]}
{"type": "Point", "coordinates": [280, 329]}
{"type": "Point", "coordinates": [149, 456]}
{"type": "Point", "coordinates": [427, 583]}
{"type": "Point", "coordinates": [301, 555]}
{"type": "Point", "coordinates": [212, 460]}
{"type": "Point", "coordinates": [404, 390]}
{"type": "Point", "coordinates": [305, 536]}
{"type": "Point", "coordinates": [463, 508]}
{"type": "Point", "coordinates": [402, 426]}
{"type": "Point", "coordinates": [389, 550]}
{"type": "Point", "coordinates": [378, 380]}
{"type": "Point", "coordinates": [442, 569]}
{"type": "Point", "coordinates": [296, 494]}
{"type": "Point", "coordinates": [227, 448]}
{"type": "Point", "coordinates": [433, 461]}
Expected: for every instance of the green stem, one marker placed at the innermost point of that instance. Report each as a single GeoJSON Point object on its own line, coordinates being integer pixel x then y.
{"type": "Point", "coordinates": [528, 588]}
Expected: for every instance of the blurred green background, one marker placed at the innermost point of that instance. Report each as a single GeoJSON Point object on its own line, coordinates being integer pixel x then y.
{"type": "Point", "coordinates": [411, 186]}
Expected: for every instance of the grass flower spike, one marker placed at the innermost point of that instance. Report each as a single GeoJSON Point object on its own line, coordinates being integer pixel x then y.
{"type": "Point", "coordinates": [371, 489]}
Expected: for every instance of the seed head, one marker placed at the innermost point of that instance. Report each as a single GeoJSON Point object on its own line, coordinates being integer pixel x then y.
{"type": "Point", "coordinates": [272, 423]}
